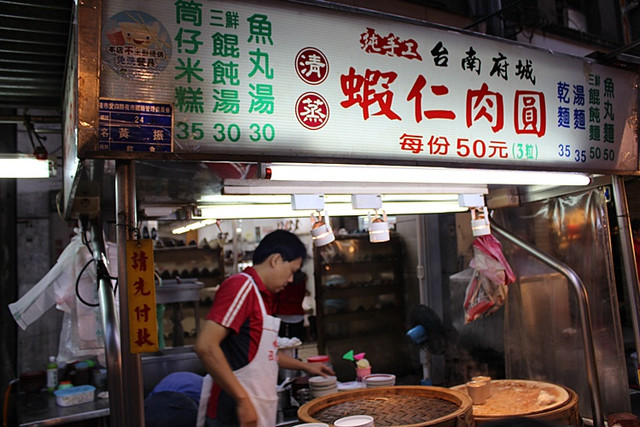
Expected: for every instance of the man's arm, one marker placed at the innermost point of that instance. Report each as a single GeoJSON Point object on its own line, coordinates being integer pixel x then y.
{"type": "Point", "coordinates": [210, 353]}
{"type": "Point", "coordinates": [287, 362]}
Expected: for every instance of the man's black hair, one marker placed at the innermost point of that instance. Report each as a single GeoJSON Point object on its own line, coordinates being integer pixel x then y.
{"type": "Point", "coordinates": [282, 242]}
{"type": "Point", "coordinates": [635, 224]}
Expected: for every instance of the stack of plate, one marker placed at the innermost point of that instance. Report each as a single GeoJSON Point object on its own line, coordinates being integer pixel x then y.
{"type": "Point", "coordinates": [321, 386]}
{"type": "Point", "coordinates": [380, 380]}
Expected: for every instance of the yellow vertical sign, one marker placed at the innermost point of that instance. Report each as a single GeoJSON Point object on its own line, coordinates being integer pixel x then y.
{"type": "Point", "coordinates": [141, 291]}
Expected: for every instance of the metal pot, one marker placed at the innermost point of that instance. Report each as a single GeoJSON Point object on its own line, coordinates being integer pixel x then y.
{"type": "Point", "coordinates": [284, 399]}
{"type": "Point", "coordinates": [287, 373]}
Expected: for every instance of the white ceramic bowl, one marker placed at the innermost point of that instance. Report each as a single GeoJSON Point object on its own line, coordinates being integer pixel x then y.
{"type": "Point", "coordinates": [354, 421]}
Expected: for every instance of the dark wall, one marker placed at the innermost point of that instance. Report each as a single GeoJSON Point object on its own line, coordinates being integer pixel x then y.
{"type": "Point", "coordinates": [8, 270]}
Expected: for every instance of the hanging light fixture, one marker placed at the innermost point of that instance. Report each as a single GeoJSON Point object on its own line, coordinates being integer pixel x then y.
{"type": "Point", "coordinates": [480, 221]}
{"type": "Point", "coordinates": [479, 215]}
{"type": "Point", "coordinates": [378, 225]}
{"type": "Point", "coordinates": [321, 232]}
{"type": "Point", "coordinates": [378, 228]}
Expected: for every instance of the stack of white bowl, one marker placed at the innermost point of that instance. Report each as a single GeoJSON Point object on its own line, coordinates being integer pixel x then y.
{"type": "Point", "coordinates": [321, 386]}
{"type": "Point", "coordinates": [380, 380]}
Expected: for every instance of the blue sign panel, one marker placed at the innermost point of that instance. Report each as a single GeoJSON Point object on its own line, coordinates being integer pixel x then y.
{"type": "Point", "coordinates": [135, 126]}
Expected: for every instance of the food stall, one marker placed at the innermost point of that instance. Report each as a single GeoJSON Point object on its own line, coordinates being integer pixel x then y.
{"type": "Point", "coordinates": [241, 93]}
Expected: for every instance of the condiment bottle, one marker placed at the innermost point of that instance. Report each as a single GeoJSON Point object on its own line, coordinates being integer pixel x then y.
{"type": "Point", "coordinates": [52, 374]}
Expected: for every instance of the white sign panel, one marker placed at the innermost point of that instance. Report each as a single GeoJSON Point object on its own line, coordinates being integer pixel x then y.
{"type": "Point", "coordinates": [277, 80]}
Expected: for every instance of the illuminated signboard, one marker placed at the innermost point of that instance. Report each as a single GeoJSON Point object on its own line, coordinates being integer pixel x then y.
{"type": "Point", "coordinates": [270, 80]}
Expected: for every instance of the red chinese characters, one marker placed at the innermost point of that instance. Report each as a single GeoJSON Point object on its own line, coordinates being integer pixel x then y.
{"type": "Point", "coordinates": [141, 296]}
{"type": "Point", "coordinates": [143, 337]}
{"type": "Point", "coordinates": [439, 146]}
{"type": "Point", "coordinates": [139, 261]}
{"type": "Point", "coordinates": [529, 112]}
{"type": "Point", "coordinates": [361, 90]}
{"type": "Point", "coordinates": [374, 89]}
{"type": "Point", "coordinates": [484, 104]}
{"type": "Point", "coordinates": [390, 45]}
{"type": "Point", "coordinates": [140, 286]}
{"type": "Point", "coordinates": [415, 94]}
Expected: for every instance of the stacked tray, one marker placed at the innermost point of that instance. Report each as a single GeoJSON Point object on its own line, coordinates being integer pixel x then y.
{"type": "Point", "coordinates": [322, 386]}
{"type": "Point", "coordinates": [380, 380]}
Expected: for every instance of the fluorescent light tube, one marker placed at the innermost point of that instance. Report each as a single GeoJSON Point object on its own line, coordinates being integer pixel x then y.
{"type": "Point", "coordinates": [258, 199]}
{"type": "Point", "coordinates": [269, 187]}
{"type": "Point", "coordinates": [417, 174]}
{"type": "Point", "coordinates": [193, 226]}
{"type": "Point", "coordinates": [16, 165]}
{"type": "Point", "coordinates": [284, 210]}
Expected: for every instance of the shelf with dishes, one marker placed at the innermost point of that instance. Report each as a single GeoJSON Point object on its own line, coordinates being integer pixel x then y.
{"type": "Point", "coordinates": [360, 298]}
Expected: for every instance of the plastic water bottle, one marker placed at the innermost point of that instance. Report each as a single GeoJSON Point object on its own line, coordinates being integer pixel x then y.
{"type": "Point", "coordinates": [52, 374]}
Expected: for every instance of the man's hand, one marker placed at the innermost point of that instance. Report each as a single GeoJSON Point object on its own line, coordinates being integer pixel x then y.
{"type": "Point", "coordinates": [247, 415]}
{"type": "Point", "coordinates": [318, 369]}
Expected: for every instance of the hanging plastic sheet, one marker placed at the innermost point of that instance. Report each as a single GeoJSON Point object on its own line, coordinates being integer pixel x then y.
{"type": "Point", "coordinates": [82, 333]}
{"type": "Point", "coordinates": [487, 290]}
{"type": "Point", "coordinates": [542, 334]}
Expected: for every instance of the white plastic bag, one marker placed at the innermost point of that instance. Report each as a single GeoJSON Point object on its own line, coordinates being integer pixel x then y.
{"type": "Point", "coordinates": [82, 334]}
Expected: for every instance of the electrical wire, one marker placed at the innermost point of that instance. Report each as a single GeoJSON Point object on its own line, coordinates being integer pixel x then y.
{"type": "Point", "coordinates": [101, 270]}
{"type": "Point", "coordinates": [40, 151]}
{"type": "Point", "coordinates": [100, 274]}
{"type": "Point", "coordinates": [78, 286]}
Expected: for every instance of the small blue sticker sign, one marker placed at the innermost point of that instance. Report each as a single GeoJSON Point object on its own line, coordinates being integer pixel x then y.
{"type": "Point", "coordinates": [135, 126]}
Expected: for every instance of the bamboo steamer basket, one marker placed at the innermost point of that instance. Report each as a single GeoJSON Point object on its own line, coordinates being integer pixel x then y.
{"type": "Point", "coordinates": [408, 406]}
{"type": "Point", "coordinates": [565, 414]}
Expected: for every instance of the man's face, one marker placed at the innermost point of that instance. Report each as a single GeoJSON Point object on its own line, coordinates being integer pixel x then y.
{"type": "Point", "coordinates": [283, 275]}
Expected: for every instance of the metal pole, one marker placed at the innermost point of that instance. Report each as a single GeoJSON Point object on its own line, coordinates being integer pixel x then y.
{"type": "Point", "coordinates": [132, 395]}
{"type": "Point", "coordinates": [110, 324]}
{"type": "Point", "coordinates": [421, 262]}
{"type": "Point", "coordinates": [585, 317]}
{"type": "Point", "coordinates": [628, 254]}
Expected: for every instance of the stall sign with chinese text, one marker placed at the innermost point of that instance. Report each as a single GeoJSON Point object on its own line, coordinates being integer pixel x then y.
{"type": "Point", "coordinates": [135, 126]}
{"type": "Point", "coordinates": [277, 79]}
{"type": "Point", "coordinates": [141, 292]}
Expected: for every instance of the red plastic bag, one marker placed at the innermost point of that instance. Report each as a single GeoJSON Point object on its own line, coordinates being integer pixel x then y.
{"type": "Point", "coordinates": [487, 289]}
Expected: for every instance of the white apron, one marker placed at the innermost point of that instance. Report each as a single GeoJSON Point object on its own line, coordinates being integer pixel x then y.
{"type": "Point", "coordinates": [260, 376]}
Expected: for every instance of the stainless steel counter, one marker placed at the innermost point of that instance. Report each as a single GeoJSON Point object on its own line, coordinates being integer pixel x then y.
{"type": "Point", "coordinates": [42, 410]}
